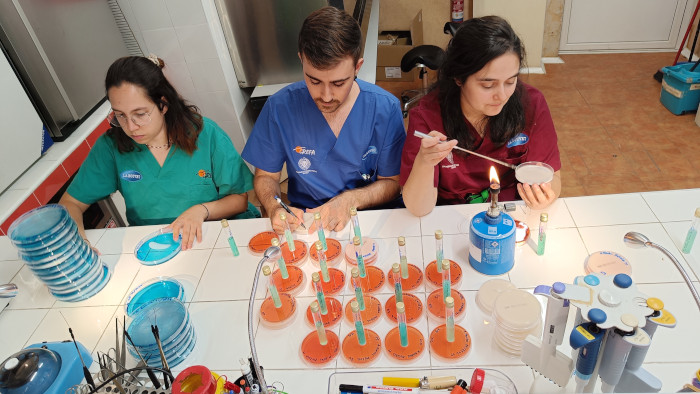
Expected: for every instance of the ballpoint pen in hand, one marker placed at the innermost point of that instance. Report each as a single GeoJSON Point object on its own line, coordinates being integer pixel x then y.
{"type": "Point", "coordinates": [286, 208]}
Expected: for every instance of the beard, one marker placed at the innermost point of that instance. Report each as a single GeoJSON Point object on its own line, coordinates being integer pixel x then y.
{"type": "Point", "coordinates": [327, 107]}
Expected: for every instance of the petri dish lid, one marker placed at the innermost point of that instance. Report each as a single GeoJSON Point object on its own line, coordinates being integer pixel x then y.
{"type": "Point", "coordinates": [37, 224]}
{"type": "Point", "coordinates": [31, 370]}
{"type": "Point", "coordinates": [489, 291]}
{"type": "Point", "coordinates": [169, 314]}
{"type": "Point", "coordinates": [157, 247]}
{"type": "Point", "coordinates": [517, 310]}
{"type": "Point", "coordinates": [607, 263]}
{"type": "Point", "coordinates": [154, 289]}
{"type": "Point", "coordinates": [533, 172]}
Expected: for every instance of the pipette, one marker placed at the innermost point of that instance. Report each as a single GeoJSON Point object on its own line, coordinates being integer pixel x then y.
{"type": "Point", "coordinates": [423, 135]}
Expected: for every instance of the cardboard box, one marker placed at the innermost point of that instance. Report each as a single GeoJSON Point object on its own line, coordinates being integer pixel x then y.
{"type": "Point", "coordinates": [392, 45]}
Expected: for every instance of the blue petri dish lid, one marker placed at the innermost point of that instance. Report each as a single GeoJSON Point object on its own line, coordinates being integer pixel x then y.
{"type": "Point", "coordinates": [169, 314]}
{"type": "Point", "coordinates": [152, 290]}
{"type": "Point", "coordinates": [37, 224]}
{"type": "Point", "coordinates": [158, 247]}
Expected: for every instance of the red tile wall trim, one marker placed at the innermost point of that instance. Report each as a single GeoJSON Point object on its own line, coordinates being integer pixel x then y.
{"type": "Point", "coordinates": [54, 181]}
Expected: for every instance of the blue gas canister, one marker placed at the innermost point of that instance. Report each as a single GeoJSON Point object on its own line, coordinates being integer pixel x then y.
{"type": "Point", "coordinates": [492, 250]}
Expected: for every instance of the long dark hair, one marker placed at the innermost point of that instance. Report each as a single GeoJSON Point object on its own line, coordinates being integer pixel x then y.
{"type": "Point", "coordinates": [183, 121]}
{"type": "Point", "coordinates": [477, 42]}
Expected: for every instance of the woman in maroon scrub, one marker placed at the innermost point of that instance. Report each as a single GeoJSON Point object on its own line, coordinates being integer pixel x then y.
{"type": "Point", "coordinates": [479, 104]}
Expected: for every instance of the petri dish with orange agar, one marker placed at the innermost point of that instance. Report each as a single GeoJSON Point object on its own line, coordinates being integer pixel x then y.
{"type": "Point", "coordinates": [330, 319]}
{"type": "Point", "coordinates": [361, 346]}
{"type": "Point", "coordinates": [450, 351]}
{"type": "Point", "coordinates": [434, 278]}
{"type": "Point", "coordinates": [301, 252]}
{"type": "Point", "coordinates": [335, 250]}
{"type": "Point", "coordinates": [436, 305]}
{"type": "Point", "coordinates": [322, 346]}
{"type": "Point", "coordinates": [371, 314]}
{"type": "Point", "coordinates": [276, 318]}
{"type": "Point", "coordinates": [413, 305]}
{"type": "Point", "coordinates": [260, 242]}
{"type": "Point", "coordinates": [415, 278]}
{"type": "Point", "coordinates": [372, 282]}
{"type": "Point", "coordinates": [293, 284]}
{"type": "Point", "coordinates": [335, 283]}
{"type": "Point", "coordinates": [404, 343]}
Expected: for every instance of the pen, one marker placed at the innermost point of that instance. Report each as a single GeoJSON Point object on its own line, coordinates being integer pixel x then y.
{"type": "Point", "coordinates": [371, 389]}
{"type": "Point", "coordinates": [286, 208]}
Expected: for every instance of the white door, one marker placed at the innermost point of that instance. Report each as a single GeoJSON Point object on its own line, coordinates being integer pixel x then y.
{"type": "Point", "coordinates": [624, 25]}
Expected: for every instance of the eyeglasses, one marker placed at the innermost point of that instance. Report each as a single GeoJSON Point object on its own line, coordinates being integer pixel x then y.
{"type": "Point", "coordinates": [121, 120]}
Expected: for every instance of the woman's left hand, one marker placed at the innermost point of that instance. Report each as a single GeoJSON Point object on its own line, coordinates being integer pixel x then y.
{"type": "Point", "coordinates": [189, 224]}
{"type": "Point", "coordinates": [537, 196]}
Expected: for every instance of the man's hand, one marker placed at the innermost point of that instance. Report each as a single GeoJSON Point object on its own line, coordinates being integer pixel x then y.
{"type": "Point", "coordinates": [278, 225]}
{"type": "Point", "coordinates": [189, 225]}
{"type": "Point", "coordinates": [335, 213]}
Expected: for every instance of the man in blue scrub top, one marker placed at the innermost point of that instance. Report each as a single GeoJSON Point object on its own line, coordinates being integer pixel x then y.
{"type": "Point", "coordinates": [340, 137]}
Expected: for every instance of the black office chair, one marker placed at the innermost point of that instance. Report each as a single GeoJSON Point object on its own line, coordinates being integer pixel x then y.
{"type": "Point", "coordinates": [422, 56]}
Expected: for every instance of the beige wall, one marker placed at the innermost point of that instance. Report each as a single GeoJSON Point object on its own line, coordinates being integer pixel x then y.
{"type": "Point", "coordinates": [527, 18]}
{"type": "Point", "coordinates": [398, 14]}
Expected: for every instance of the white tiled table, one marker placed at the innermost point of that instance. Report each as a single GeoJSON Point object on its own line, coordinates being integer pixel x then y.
{"type": "Point", "coordinates": [218, 285]}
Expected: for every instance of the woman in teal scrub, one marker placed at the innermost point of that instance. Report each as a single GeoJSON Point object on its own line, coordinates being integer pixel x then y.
{"type": "Point", "coordinates": [172, 165]}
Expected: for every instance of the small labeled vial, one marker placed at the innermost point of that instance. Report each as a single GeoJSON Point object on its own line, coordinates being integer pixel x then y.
{"type": "Point", "coordinates": [356, 224]}
{"type": "Point", "coordinates": [359, 296]}
{"type": "Point", "coordinates": [692, 232]}
{"type": "Point", "coordinates": [231, 241]}
{"type": "Point", "coordinates": [320, 329]}
{"type": "Point", "coordinates": [281, 264]}
{"type": "Point", "coordinates": [450, 319]}
{"type": "Point", "coordinates": [403, 258]}
{"type": "Point", "coordinates": [320, 296]}
{"type": "Point", "coordinates": [271, 286]}
{"type": "Point", "coordinates": [542, 234]}
{"type": "Point", "coordinates": [358, 255]}
{"type": "Point", "coordinates": [322, 262]}
{"type": "Point", "coordinates": [319, 230]}
{"type": "Point", "coordinates": [401, 319]}
{"type": "Point", "coordinates": [288, 233]}
{"type": "Point", "coordinates": [359, 327]}
{"type": "Point", "coordinates": [396, 276]}
{"type": "Point", "coordinates": [439, 253]}
{"type": "Point", "coordinates": [446, 279]}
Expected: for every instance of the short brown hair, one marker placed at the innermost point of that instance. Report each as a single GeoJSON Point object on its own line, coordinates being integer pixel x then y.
{"type": "Point", "coordinates": [327, 36]}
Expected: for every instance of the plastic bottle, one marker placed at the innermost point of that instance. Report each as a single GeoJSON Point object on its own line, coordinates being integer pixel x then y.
{"type": "Point", "coordinates": [457, 10]}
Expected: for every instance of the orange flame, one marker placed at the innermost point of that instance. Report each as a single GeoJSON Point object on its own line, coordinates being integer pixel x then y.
{"type": "Point", "coordinates": [493, 175]}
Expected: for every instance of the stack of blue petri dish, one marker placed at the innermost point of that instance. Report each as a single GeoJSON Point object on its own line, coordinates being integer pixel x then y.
{"type": "Point", "coordinates": [159, 303]}
{"type": "Point", "coordinates": [48, 241]}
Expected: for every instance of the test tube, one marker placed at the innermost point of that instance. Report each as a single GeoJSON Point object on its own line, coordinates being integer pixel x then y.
{"type": "Point", "coordinates": [322, 262]}
{"type": "Point", "coordinates": [403, 259]}
{"type": "Point", "coordinates": [281, 264]}
{"type": "Point", "coordinates": [450, 318]}
{"type": "Point", "coordinates": [356, 224]}
{"type": "Point", "coordinates": [287, 233]}
{"type": "Point", "coordinates": [439, 254]}
{"type": "Point", "coordinates": [446, 279]}
{"type": "Point", "coordinates": [396, 276]}
{"type": "Point", "coordinates": [355, 273]}
{"type": "Point", "coordinates": [692, 232]}
{"type": "Point", "coordinates": [401, 318]}
{"type": "Point", "coordinates": [319, 230]}
{"type": "Point", "coordinates": [542, 234]}
{"type": "Point", "coordinates": [359, 327]}
{"type": "Point", "coordinates": [316, 279]}
{"type": "Point", "coordinates": [271, 285]}
{"type": "Point", "coordinates": [358, 255]}
{"type": "Point", "coordinates": [320, 329]}
{"type": "Point", "coordinates": [231, 241]}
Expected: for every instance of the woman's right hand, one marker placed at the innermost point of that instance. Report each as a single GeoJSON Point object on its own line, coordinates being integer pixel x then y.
{"type": "Point", "coordinates": [431, 151]}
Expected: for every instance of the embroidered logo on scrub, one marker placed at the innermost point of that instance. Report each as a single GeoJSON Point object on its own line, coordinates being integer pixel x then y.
{"type": "Point", "coordinates": [304, 164]}
{"type": "Point", "coordinates": [131, 176]}
{"type": "Point", "coordinates": [520, 139]}
{"type": "Point", "coordinates": [303, 151]}
{"type": "Point", "coordinates": [204, 174]}
{"type": "Point", "coordinates": [371, 151]}
{"type": "Point", "coordinates": [452, 164]}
